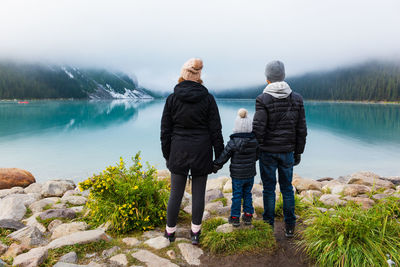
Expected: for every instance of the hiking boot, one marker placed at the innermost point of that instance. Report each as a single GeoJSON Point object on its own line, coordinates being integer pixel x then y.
{"type": "Point", "coordinates": [170, 237]}
{"type": "Point", "coordinates": [247, 218]}
{"type": "Point", "coordinates": [289, 230]}
{"type": "Point", "coordinates": [235, 221]}
{"type": "Point", "coordinates": [195, 237]}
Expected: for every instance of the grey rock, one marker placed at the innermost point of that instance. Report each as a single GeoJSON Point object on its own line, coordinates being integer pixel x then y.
{"type": "Point", "coordinates": [68, 228]}
{"type": "Point", "coordinates": [157, 242]}
{"type": "Point", "coordinates": [257, 190]}
{"type": "Point", "coordinates": [72, 193]}
{"type": "Point", "coordinates": [323, 210]}
{"type": "Point", "coordinates": [311, 194]}
{"type": "Point", "coordinates": [11, 224]}
{"type": "Point", "coordinates": [3, 248]}
{"type": "Point", "coordinates": [71, 257]}
{"type": "Point", "coordinates": [332, 200]}
{"type": "Point", "coordinates": [206, 215]}
{"type": "Point", "coordinates": [14, 190]}
{"type": "Point", "coordinates": [325, 179]}
{"type": "Point", "coordinates": [29, 235]}
{"type": "Point", "coordinates": [33, 257]}
{"type": "Point", "coordinates": [33, 188]}
{"type": "Point", "coordinates": [356, 189]}
{"type": "Point", "coordinates": [227, 186]}
{"type": "Point", "coordinates": [302, 184]}
{"type": "Point", "coordinates": [151, 234]}
{"type": "Point", "coordinates": [366, 203]}
{"type": "Point", "coordinates": [131, 241]}
{"type": "Point", "coordinates": [380, 196]}
{"type": "Point", "coordinates": [57, 213]}
{"type": "Point", "coordinates": [90, 255]}
{"type": "Point", "coordinates": [56, 188]}
{"type": "Point", "coordinates": [213, 194]}
{"type": "Point", "coordinates": [108, 252]}
{"type": "Point", "coordinates": [26, 199]}
{"type": "Point", "coordinates": [394, 179]}
{"type": "Point", "coordinates": [77, 209]}
{"type": "Point", "coordinates": [12, 209]}
{"type": "Point", "coordinates": [370, 179]}
{"type": "Point", "coordinates": [152, 260]}
{"type": "Point", "coordinates": [38, 206]}
{"type": "Point", "coordinates": [190, 253]}
{"type": "Point", "coordinates": [74, 200]}
{"type": "Point", "coordinates": [82, 237]}
{"type": "Point", "coordinates": [217, 183]}
{"type": "Point", "coordinates": [225, 228]}
{"type": "Point", "coordinates": [59, 206]}
{"type": "Point", "coordinates": [31, 221]}
{"type": "Point", "coordinates": [119, 260]}
{"type": "Point", "coordinates": [66, 264]}
{"type": "Point", "coordinates": [171, 254]}
{"type": "Point", "coordinates": [54, 224]}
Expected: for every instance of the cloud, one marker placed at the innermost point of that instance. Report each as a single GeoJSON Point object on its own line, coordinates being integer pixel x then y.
{"type": "Point", "coordinates": [235, 38]}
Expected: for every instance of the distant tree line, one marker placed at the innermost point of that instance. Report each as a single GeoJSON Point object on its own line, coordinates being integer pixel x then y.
{"type": "Point", "coordinates": [371, 81]}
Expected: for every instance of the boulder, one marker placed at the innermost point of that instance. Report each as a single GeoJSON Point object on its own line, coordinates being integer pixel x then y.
{"type": "Point", "coordinates": [258, 202]}
{"type": "Point", "coordinates": [380, 196]}
{"type": "Point", "coordinates": [53, 224]}
{"type": "Point", "coordinates": [325, 179]}
{"type": "Point", "coordinates": [26, 199]}
{"type": "Point", "coordinates": [366, 203]}
{"type": "Point", "coordinates": [57, 213]}
{"type": "Point", "coordinates": [394, 179]}
{"type": "Point", "coordinates": [152, 260]}
{"type": "Point", "coordinates": [355, 189]}
{"type": "Point", "coordinates": [302, 184]}
{"type": "Point", "coordinates": [29, 236]}
{"type": "Point", "coordinates": [56, 188]}
{"type": "Point", "coordinates": [11, 224]}
{"type": "Point", "coordinates": [82, 237]}
{"type": "Point", "coordinates": [12, 209]}
{"type": "Point", "coordinates": [257, 190]}
{"type": "Point", "coordinates": [74, 200]}
{"type": "Point", "coordinates": [131, 241]}
{"type": "Point", "coordinates": [311, 194]}
{"type": "Point", "coordinates": [71, 257]}
{"type": "Point", "coordinates": [119, 260]}
{"type": "Point", "coordinates": [190, 253]}
{"type": "Point", "coordinates": [213, 194]}
{"type": "Point", "coordinates": [217, 207]}
{"type": "Point", "coordinates": [225, 228]}
{"type": "Point", "coordinates": [151, 234]}
{"type": "Point", "coordinates": [217, 183]}
{"type": "Point", "coordinates": [227, 187]}
{"type": "Point", "coordinates": [14, 249]}
{"type": "Point", "coordinates": [370, 179]}
{"type": "Point", "coordinates": [31, 221]}
{"type": "Point", "coordinates": [333, 187]}
{"type": "Point", "coordinates": [33, 188]}
{"type": "Point", "coordinates": [206, 215]}
{"type": "Point", "coordinates": [332, 200]}
{"type": "Point", "coordinates": [14, 190]}
{"type": "Point", "coordinates": [158, 242]}
{"type": "Point", "coordinates": [77, 209]}
{"type": "Point", "coordinates": [72, 193]}
{"type": "Point", "coordinates": [33, 257]}
{"type": "Point", "coordinates": [108, 252]}
{"type": "Point", "coordinates": [10, 177]}
{"type": "Point", "coordinates": [38, 206]}
{"type": "Point", "coordinates": [68, 228]}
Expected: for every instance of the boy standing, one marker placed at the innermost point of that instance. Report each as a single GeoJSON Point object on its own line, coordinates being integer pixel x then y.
{"type": "Point", "coordinates": [280, 127]}
{"type": "Point", "coordinates": [242, 148]}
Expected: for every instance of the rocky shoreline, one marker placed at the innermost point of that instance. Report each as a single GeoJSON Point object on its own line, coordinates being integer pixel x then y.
{"type": "Point", "coordinates": [43, 217]}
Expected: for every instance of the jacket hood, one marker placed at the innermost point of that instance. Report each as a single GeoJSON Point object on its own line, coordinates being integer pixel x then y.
{"type": "Point", "coordinates": [189, 91]}
{"type": "Point", "coordinates": [278, 90]}
{"type": "Point", "coordinates": [241, 139]}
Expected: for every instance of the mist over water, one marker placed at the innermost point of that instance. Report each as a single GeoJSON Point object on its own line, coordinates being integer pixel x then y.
{"type": "Point", "coordinates": [74, 139]}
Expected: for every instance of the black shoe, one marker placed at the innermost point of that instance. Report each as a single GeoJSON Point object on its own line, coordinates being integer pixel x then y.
{"type": "Point", "coordinates": [289, 230]}
{"type": "Point", "coordinates": [170, 237]}
{"type": "Point", "coordinates": [234, 221]}
{"type": "Point", "coordinates": [247, 218]}
{"type": "Point", "coordinates": [195, 237]}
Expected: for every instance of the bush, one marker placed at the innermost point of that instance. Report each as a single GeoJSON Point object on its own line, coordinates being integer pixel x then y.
{"type": "Point", "coordinates": [300, 206]}
{"type": "Point", "coordinates": [129, 198]}
{"type": "Point", "coordinates": [240, 240]}
{"type": "Point", "coordinates": [352, 236]}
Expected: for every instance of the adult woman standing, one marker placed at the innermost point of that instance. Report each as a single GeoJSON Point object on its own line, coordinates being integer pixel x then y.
{"type": "Point", "coordinates": [190, 129]}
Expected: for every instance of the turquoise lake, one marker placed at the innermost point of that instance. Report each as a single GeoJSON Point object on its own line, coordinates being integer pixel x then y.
{"type": "Point", "coordinates": [74, 139]}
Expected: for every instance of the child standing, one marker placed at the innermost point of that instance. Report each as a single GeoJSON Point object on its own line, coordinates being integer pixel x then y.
{"type": "Point", "coordinates": [242, 149]}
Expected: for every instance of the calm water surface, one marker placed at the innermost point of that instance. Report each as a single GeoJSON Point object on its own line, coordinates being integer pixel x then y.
{"type": "Point", "coordinates": [74, 139]}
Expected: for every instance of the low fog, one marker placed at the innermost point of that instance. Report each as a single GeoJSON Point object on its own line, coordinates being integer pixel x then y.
{"type": "Point", "coordinates": [152, 39]}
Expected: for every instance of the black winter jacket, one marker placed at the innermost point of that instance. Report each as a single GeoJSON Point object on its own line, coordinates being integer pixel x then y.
{"type": "Point", "coordinates": [280, 124]}
{"type": "Point", "coordinates": [242, 148]}
{"type": "Point", "coordinates": [190, 129]}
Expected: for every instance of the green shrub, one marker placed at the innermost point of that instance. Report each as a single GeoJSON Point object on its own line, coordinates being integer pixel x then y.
{"type": "Point", "coordinates": [240, 240]}
{"type": "Point", "coordinates": [129, 198]}
{"type": "Point", "coordinates": [352, 236]}
{"type": "Point", "coordinates": [300, 206]}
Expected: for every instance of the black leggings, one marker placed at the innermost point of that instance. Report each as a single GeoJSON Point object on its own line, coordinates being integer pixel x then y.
{"type": "Point", "coordinates": [178, 184]}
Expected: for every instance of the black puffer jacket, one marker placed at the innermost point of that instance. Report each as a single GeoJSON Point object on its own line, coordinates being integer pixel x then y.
{"type": "Point", "coordinates": [280, 124]}
{"type": "Point", "coordinates": [242, 148]}
{"type": "Point", "coordinates": [190, 128]}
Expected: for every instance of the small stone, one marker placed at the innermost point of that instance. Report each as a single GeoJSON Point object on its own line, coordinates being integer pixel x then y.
{"type": "Point", "coordinates": [82, 237]}
{"type": "Point", "coordinates": [74, 200]}
{"type": "Point", "coordinates": [151, 234]}
{"type": "Point", "coordinates": [311, 194]}
{"type": "Point", "coordinates": [131, 241]}
{"type": "Point", "coordinates": [34, 257]}
{"type": "Point", "coordinates": [11, 224]}
{"type": "Point", "coordinates": [108, 252]}
{"type": "Point", "coordinates": [57, 213]}
{"type": "Point", "coordinates": [40, 204]}
{"type": "Point", "coordinates": [29, 236]}
{"type": "Point", "coordinates": [95, 264]}
{"type": "Point", "coordinates": [379, 196]}
{"type": "Point", "coordinates": [26, 199]}
{"type": "Point", "coordinates": [188, 208]}
{"type": "Point", "coordinates": [54, 224]}
{"type": "Point", "coordinates": [227, 187]}
{"type": "Point", "coordinates": [3, 248]}
{"type": "Point", "coordinates": [366, 203]}
{"type": "Point", "coordinates": [68, 228]}
{"type": "Point", "coordinates": [323, 210]}
{"type": "Point", "coordinates": [258, 202]}
{"type": "Point", "coordinates": [77, 209]}
{"type": "Point", "coordinates": [119, 260]}
{"type": "Point", "coordinates": [370, 179]}
{"type": "Point", "coordinates": [14, 190]}
{"type": "Point", "coordinates": [213, 206]}
{"type": "Point", "coordinates": [257, 190]}
{"type": "Point", "coordinates": [356, 189]}
{"type": "Point", "coordinates": [90, 255]}
{"type": "Point", "coordinates": [171, 254]}
{"type": "Point", "coordinates": [225, 228]}
{"type": "Point", "coordinates": [72, 193]}
{"type": "Point", "coordinates": [394, 179]}
{"type": "Point", "coordinates": [325, 179]}
{"type": "Point", "coordinates": [332, 200]}
{"type": "Point", "coordinates": [66, 264]}
{"type": "Point", "coordinates": [56, 188]}
{"type": "Point", "coordinates": [152, 260]}
{"type": "Point", "coordinates": [213, 194]}
{"type": "Point", "coordinates": [33, 188]}
{"type": "Point", "coordinates": [190, 253]}
{"type": "Point", "coordinates": [31, 221]}
{"type": "Point", "coordinates": [158, 242]}
{"type": "Point", "coordinates": [216, 183]}
{"type": "Point", "coordinates": [14, 249]}
{"type": "Point", "coordinates": [302, 184]}
{"type": "Point", "coordinates": [206, 215]}
{"type": "Point", "coordinates": [71, 257]}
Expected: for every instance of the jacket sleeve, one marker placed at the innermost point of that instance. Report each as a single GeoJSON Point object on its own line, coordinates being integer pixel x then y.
{"type": "Point", "coordinates": [226, 154]}
{"type": "Point", "coordinates": [260, 121]}
{"type": "Point", "coordinates": [215, 127]}
{"type": "Point", "coordinates": [166, 129]}
{"type": "Point", "coordinates": [301, 130]}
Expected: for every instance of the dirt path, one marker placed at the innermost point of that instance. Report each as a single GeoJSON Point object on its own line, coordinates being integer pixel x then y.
{"type": "Point", "coordinates": [285, 255]}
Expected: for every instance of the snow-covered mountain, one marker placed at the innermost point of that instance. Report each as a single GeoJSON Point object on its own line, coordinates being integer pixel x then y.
{"type": "Point", "coordinates": [37, 81]}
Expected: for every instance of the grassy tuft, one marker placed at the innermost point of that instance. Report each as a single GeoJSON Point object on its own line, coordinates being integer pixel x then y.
{"type": "Point", "coordinates": [222, 199]}
{"type": "Point", "coordinates": [300, 206]}
{"type": "Point", "coordinates": [239, 241]}
{"type": "Point", "coordinates": [3, 236]}
{"type": "Point", "coordinates": [354, 236]}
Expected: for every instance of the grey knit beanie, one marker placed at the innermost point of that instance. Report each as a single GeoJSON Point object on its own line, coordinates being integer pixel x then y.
{"type": "Point", "coordinates": [275, 71]}
{"type": "Point", "coordinates": [243, 124]}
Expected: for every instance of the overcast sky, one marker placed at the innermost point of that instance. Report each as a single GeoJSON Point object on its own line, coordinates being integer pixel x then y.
{"type": "Point", "coordinates": [152, 39]}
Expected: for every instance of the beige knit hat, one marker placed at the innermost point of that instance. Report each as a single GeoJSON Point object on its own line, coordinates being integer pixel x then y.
{"type": "Point", "coordinates": [191, 70]}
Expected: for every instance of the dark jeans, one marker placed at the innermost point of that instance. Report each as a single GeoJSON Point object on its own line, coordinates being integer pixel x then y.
{"type": "Point", "coordinates": [241, 189]}
{"type": "Point", "coordinates": [269, 163]}
{"type": "Point", "coordinates": [178, 184]}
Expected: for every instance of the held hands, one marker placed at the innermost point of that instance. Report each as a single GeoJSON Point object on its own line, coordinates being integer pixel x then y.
{"type": "Point", "coordinates": [297, 159]}
{"type": "Point", "coordinates": [216, 168]}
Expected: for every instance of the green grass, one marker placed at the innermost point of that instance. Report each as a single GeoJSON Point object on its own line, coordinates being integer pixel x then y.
{"type": "Point", "coordinates": [239, 241]}
{"type": "Point", "coordinates": [46, 222]}
{"type": "Point", "coordinates": [354, 236]}
{"type": "Point", "coordinates": [3, 236]}
{"type": "Point", "coordinates": [300, 206]}
{"type": "Point", "coordinates": [47, 207]}
{"type": "Point", "coordinates": [184, 218]}
{"type": "Point", "coordinates": [222, 199]}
